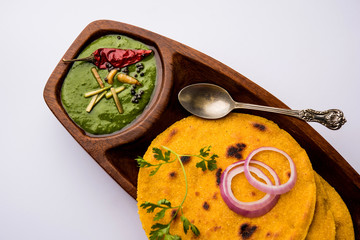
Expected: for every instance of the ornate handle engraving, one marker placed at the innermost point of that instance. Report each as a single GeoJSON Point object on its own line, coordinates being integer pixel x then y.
{"type": "Point", "coordinates": [332, 118]}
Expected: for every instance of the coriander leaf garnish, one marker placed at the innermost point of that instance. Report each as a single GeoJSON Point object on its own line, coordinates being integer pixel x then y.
{"type": "Point", "coordinates": [172, 237]}
{"type": "Point", "coordinates": [204, 152]}
{"type": "Point", "coordinates": [164, 202]}
{"type": "Point", "coordinates": [153, 172]}
{"type": "Point", "coordinates": [152, 206]}
{"type": "Point", "coordinates": [142, 163]}
{"type": "Point", "coordinates": [160, 215]}
{"type": "Point", "coordinates": [158, 154]}
{"type": "Point", "coordinates": [187, 224]}
{"type": "Point", "coordinates": [206, 163]}
{"type": "Point", "coordinates": [165, 158]}
{"type": "Point", "coordinates": [194, 229]}
{"type": "Point", "coordinates": [162, 231]}
{"type": "Point", "coordinates": [201, 165]}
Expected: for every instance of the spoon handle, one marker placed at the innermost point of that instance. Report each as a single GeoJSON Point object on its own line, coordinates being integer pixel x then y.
{"type": "Point", "coordinates": [332, 118]}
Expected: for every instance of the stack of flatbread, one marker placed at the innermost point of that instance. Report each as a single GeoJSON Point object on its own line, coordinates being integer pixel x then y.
{"type": "Point", "coordinates": [312, 209]}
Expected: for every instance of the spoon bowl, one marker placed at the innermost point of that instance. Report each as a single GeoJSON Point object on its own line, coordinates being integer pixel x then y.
{"type": "Point", "coordinates": [206, 100]}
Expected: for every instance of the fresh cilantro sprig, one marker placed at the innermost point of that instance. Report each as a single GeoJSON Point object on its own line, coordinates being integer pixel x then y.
{"type": "Point", "coordinates": [207, 161]}
{"type": "Point", "coordinates": [158, 154]}
{"type": "Point", "coordinates": [187, 224]}
{"type": "Point", "coordinates": [163, 204]}
{"type": "Point", "coordinates": [162, 231]}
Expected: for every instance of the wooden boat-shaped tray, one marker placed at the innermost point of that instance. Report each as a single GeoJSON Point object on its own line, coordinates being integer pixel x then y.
{"type": "Point", "coordinates": [179, 66]}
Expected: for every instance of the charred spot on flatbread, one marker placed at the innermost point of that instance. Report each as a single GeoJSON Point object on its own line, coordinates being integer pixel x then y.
{"type": "Point", "coordinates": [259, 126]}
{"type": "Point", "coordinates": [185, 159]}
{"type": "Point", "coordinates": [215, 195]}
{"type": "Point", "coordinates": [215, 228]}
{"type": "Point", "coordinates": [172, 174]}
{"type": "Point", "coordinates": [206, 205]}
{"type": "Point", "coordinates": [173, 212]}
{"type": "Point", "coordinates": [236, 150]}
{"type": "Point", "coordinates": [246, 230]}
{"type": "Point", "coordinates": [272, 235]}
{"type": "Point", "coordinates": [218, 176]}
{"type": "Point", "coordinates": [172, 133]}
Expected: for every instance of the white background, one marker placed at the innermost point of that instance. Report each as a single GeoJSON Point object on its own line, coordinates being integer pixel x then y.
{"type": "Point", "coordinates": [306, 53]}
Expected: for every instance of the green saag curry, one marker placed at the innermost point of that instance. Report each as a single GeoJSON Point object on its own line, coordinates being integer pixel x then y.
{"type": "Point", "coordinates": [104, 117]}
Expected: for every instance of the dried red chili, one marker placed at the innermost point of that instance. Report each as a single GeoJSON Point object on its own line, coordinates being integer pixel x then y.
{"type": "Point", "coordinates": [114, 57]}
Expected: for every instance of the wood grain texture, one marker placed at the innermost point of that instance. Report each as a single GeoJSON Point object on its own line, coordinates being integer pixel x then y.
{"type": "Point", "coordinates": [179, 66]}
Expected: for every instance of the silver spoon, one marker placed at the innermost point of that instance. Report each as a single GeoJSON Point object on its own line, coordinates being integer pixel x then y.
{"type": "Point", "coordinates": [212, 102]}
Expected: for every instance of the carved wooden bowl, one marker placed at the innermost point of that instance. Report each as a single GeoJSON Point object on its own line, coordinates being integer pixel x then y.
{"type": "Point", "coordinates": [179, 66]}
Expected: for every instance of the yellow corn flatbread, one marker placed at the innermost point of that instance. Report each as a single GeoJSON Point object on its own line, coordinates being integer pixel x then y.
{"type": "Point", "coordinates": [343, 223]}
{"type": "Point", "coordinates": [232, 138]}
{"type": "Point", "coordinates": [323, 224]}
